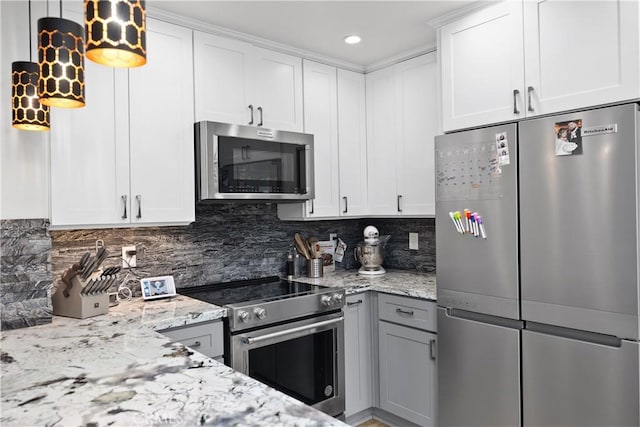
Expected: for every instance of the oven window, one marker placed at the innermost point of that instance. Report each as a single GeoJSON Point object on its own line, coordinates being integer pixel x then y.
{"type": "Point", "coordinates": [302, 367]}
{"type": "Point", "coordinates": [254, 166]}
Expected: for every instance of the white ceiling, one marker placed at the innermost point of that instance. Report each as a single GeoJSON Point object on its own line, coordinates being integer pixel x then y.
{"type": "Point", "coordinates": [388, 28]}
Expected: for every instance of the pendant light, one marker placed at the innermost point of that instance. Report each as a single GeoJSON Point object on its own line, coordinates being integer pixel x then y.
{"type": "Point", "coordinates": [61, 60]}
{"type": "Point", "coordinates": [26, 110]}
{"type": "Point", "coordinates": [116, 32]}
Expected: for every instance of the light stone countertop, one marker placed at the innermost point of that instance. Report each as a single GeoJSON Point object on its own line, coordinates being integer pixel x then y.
{"type": "Point", "coordinates": [397, 282]}
{"type": "Point", "coordinates": [114, 369]}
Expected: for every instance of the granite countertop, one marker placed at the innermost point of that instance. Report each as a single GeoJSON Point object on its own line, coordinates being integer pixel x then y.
{"type": "Point", "coordinates": [398, 282]}
{"type": "Point", "coordinates": [116, 370]}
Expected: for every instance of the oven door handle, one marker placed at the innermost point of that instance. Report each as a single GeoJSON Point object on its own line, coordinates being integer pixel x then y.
{"type": "Point", "coordinates": [253, 340]}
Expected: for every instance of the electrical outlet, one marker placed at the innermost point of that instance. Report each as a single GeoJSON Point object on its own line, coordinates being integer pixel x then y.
{"type": "Point", "coordinates": [129, 256]}
{"type": "Point", "coordinates": [413, 241]}
{"type": "Point", "coordinates": [333, 236]}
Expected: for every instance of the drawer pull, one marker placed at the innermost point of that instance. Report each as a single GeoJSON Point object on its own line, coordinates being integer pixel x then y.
{"type": "Point", "coordinates": [407, 312]}
{"type": "Point", "coordinates": [196, 344]}
{"type": "Point", "coordinates": [354, 303]}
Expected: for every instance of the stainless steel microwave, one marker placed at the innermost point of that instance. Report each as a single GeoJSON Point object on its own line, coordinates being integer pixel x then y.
{"type": "Point", "coordinates": [235, 162]}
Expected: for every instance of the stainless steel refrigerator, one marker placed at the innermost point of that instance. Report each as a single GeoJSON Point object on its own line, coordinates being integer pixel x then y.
{"type": "Point", "coordinates": [538, 323]}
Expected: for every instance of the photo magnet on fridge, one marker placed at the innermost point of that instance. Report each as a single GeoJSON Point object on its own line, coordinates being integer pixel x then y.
{"type": "Point", "coordinates": [568, 139]}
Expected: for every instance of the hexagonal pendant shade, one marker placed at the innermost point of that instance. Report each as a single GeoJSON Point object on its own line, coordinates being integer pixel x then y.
{"type": "Point", "coordinates": [61, 60]}
{"type": "Point", "coordinates": [116, 32]}
{"type": "Point", "coordinates": [27, 113]}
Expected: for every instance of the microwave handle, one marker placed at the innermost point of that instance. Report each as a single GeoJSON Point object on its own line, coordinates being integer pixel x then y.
{"type": "Point", "coordinates": [253, 340]}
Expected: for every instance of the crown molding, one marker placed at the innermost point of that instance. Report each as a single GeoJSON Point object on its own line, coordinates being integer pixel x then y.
{"type": "Point", "coordinates": [403, 56]}
{"type": "Point", "coordinates": [459, 13]}
{"type": "Point", "coordinates": [198, 25]}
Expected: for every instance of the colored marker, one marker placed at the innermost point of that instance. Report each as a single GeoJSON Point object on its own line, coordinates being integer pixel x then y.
{"type": "Point", "coordinates": [482, 231]}
{"type": "Point", "coordinates": [467, 220]}
{"type": "Point", "coordinates": [452, 215]}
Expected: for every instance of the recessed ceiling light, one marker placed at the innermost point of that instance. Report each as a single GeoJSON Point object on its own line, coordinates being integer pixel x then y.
{"type": "Point", "coordinates": [352, 39]}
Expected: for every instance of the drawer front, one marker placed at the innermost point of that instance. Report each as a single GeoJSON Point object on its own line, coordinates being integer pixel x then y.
{"type": "Point", "coordinates": [411, 312]}
{"type": "Point", "coordinates": [205, 338]}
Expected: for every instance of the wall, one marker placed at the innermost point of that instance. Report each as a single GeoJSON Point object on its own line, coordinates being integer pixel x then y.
{"type": "Point", "coordinates": [25, 275]}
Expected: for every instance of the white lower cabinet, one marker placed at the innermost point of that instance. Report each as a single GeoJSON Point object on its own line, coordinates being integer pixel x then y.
{"type": "Point", "coordinates": [407, 358]}
{"type": "Point", "coordinates": [358, 354]}
{"type": "Point", "coordinates": [206, 337]}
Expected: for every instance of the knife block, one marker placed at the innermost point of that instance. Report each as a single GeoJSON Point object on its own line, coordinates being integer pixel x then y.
{"type": "Point", "coordinates": [77, 304]}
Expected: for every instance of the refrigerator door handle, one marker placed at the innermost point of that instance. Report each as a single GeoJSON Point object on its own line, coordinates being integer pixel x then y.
{"type": "Point", "coordinates": [574, 334]}
{"type": "Point", "coordinates": [484, 318]}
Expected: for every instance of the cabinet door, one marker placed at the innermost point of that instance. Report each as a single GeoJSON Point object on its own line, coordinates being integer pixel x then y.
{"type": "Point", "coordinates": [481, 67]}
{"type": "Point", "coordinates": [352, 143]}
{"type": "Point", "coordinates": [580, 54]}
{"type": "Point", "coordinates": [161, 128]}
{"type": "Point", "coordinates": [223, 79]}
{"type": "Point", "coordinates": [407, 372]}
{"type": "Point", "coordinates": [357, 354]}
{"type": "Point", "coordinates": [382, 140]}
{"type": "Point", "coordinates": [417, 118]}
{"type": "Point", "coordinates": [278, 90]}
{"type": "Point", "coordinates": [90, 151]}
{"type": "Point", "coordinates": [321, 120]}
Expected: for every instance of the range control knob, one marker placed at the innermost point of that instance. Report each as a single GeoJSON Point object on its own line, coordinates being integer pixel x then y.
{"type": "Point", "coordinates": [326, 300]}
{"type": "Point", "coordinates": [243, 316]}
{"type": "Point", "coordinates": [337, 298]}
{"type": "Point", "coordinates": [260, 312]}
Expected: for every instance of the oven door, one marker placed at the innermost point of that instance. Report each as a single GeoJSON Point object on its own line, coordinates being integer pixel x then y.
{"type": "Point", "coordinates": [304, 359]}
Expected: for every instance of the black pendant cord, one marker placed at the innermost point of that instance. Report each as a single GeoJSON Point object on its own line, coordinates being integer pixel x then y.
{"type": "Point", "coordinates": [60, 9]}
{"type": "Point", "coordinates": [30, 47]}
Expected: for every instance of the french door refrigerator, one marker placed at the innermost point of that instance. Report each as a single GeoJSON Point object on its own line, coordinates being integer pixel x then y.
{"type": "Point", "coordinates": [538, 324]}
{"type": "Point", "coordinates": [478, 297]}
{"type": "Point", "coordinates": [579, 237]}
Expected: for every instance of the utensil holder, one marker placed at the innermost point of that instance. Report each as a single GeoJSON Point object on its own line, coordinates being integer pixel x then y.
{"type": "Point", "coordinates": [314, 267]}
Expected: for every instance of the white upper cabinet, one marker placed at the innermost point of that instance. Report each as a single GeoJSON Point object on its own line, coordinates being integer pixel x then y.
{"type": "Point", "coordinates": [352, 143]}
{"type": "Point", "coordinates": [382, 140]}
{"type": "Point", "coordinates": [402, 121]}
{"type": "Point", "coordinates": [482, 67]}
{"type": "Point", "coordinates": [133, 138]}
{"type": "Point", "coordinates": [321, 120]}
{"type": "Point", "coordinates": [580, 54]}
{"type": "Point", "coordinates": [521, 59]}
{"type": "Point", "coordinates": [161, 128]}
{"type": "Point", "coordinates": [223, 77]}
{"type": "Point", "coordinates": [236, 82]}
{"type": "Point", "coordinates": [334, 112]}
{"type": "Point", "coordinates": [418, 123]}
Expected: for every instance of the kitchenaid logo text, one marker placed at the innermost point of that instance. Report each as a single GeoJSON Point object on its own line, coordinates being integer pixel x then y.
{"type": "Point", "coordinates": [599, 130]}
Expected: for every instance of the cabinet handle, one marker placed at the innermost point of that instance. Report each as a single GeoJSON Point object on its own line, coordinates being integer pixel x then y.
{"type": "Point", "coordinates": [516, 92]}
{"type": "Point", "coordinates": [312, 207]}
{"type": "Point", "coordinates": [139, 200]}
{"type": "Point", "coordinates": [346, 205]}
{"type": "Point", "coordinates": [124, 202]}
{"type": "Point", "coordinates": [407, 312]}
{"type": "Point", "coordinates": [399, 199]}
{"type": "Point", "coordinates": [196, 344]}
{"type": "Point", "coordinates": [354, 303]}
{"type": "Point", "coordinates": [529, 92]}
{"type": "Point", "coordinates": [246, 152]}
{"type": "Point", "coordinates": [260, 111]}
{"type": "Point", "coordinates": [251, 109]}
{"type": "Point", "coordinates": [432, 349]}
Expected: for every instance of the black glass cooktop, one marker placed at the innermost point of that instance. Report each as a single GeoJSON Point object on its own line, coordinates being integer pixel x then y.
{"type": "Point", "coordinates": [267, 289]}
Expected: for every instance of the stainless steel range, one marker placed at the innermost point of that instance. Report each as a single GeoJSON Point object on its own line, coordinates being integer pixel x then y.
{"type": "Point", "coordinates": [288, 335]}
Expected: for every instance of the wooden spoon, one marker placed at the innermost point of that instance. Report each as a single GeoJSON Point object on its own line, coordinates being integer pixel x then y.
{"type": "Point", "coordinates": [312, 246]}
{"type": "Point", "coordinates": [301, 245]}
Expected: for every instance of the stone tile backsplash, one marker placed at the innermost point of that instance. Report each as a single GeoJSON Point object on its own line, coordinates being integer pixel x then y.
{"type": "Point", "coordinates": [25, 273]}
{"type": "Point", "coordinates": [226, 242]}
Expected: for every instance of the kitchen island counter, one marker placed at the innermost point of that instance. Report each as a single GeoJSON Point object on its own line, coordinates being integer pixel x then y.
{"type": "Point", "coordinates": [116, 370]}
{"type": "Point", "coordinates": [397, 282]}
